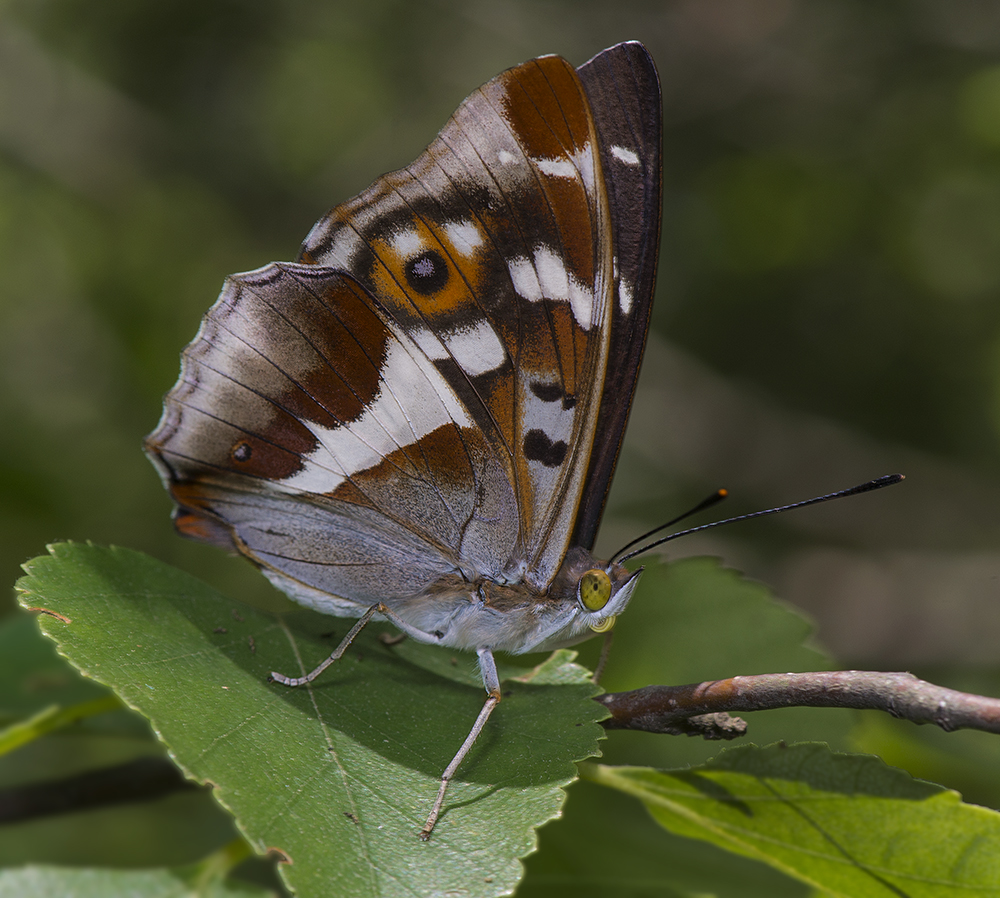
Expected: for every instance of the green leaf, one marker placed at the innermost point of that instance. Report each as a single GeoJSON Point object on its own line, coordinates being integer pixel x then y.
{"type": "Point", "coordinates": [605, 838]}
{"type": "Point", "coordinates": [848, 825]}
{"type": "Point", "coordinates": [40, 692]}
{"type": "Point", "coordinates": [338, 776]}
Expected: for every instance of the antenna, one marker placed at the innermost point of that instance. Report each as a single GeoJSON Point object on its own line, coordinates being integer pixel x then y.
{"type": "Point", "coordinates": [879, 483]}
{"type": "Point", "coordinates": [707, 502]}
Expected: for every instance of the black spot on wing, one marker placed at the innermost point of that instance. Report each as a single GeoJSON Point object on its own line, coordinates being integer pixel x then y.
{"type": "Point", "coordinates": [546, 392]}
{"type": "Point", "coordinates": [538, 446]}
{"type": "Point", "coordinates": [427, 273]}
{"type": "Point", "coordinates": [552, 393]}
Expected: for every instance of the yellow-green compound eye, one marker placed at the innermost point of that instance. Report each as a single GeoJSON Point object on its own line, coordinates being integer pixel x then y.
{"type": "Point", "coordinates": [595, 590]}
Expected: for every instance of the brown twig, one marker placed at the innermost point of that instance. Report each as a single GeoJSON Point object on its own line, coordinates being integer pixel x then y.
{"type": "Point", "coordinates": [681, 709]}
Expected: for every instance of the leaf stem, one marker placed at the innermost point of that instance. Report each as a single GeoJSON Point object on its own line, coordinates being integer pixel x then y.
{"type": "Point", "coordinates": [53, 717]}
{"type": "Point", "coordinates": [218, 865]}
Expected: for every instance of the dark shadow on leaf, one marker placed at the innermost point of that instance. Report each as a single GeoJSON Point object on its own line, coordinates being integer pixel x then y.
{"type": "Point", "coordinates": [815, 765]}
{"type": "Point", "coordinates": [410, 714]}
{"type": "Point", "coordinates": [713, 790]}
{"type": "Point", "coordinates": [456, 805]}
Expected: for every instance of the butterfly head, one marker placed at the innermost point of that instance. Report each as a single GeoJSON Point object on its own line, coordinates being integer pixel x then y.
{"type": "Point", "coordinates": [592, 595]}
{"type": "Point", "coordinates": [602, 598]}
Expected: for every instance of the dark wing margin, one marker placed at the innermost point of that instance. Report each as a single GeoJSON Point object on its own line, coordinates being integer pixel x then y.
{"type": "Point", "coordinates": [624, 92]}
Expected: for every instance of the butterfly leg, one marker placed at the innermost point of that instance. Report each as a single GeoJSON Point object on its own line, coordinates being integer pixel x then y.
{"type": "Point", "coordinates": [491, 680]}
{"type": "Point", "coordinates": [335, 655]}
{"type": "Point", "coordinates": [377, 608]}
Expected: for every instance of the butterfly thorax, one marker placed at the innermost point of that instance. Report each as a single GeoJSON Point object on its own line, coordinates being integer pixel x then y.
{"type": "Point", "coordinates": [518, 616]}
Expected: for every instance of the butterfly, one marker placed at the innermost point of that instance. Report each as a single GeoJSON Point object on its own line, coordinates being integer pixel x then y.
{"type": "Point", "coordinates": [419, 419]}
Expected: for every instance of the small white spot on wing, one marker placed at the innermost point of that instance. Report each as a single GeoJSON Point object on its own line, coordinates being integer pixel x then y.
{"type": "Point", "coordinates": [342, 244]}
{"type": "Point", "coordinates": [625, 296]}
{"type": "Point", "coordinates": [578, 166]}
{"type": "Point", "coordinates": [552, 274]}
{"type": "Point", "coordinates": [505, 157]}
{"type": "Point", "coordinates": [546, 277]}
{"type": "Point", "coordinates": [464, 236]}
{"type": "Point", "coordinates": [345, 247]}
{"type": "Point", "coordinates": [585, 163]}
{"type": "Point", "coordinates": [556, 168]}
{"type": "Point", "coordinates": [558, 283]}
{"type": "Point", "coordinates": [624, 154]}
{"type": "Point", "coordinates": [524, 278]}
{"type": "Point", "coordinates": [581, 299]}
{"type": "Point", "coordinates": [407, 243]}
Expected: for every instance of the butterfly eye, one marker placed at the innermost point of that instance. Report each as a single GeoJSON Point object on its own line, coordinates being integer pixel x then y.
{"type": "Point", "coordinates": [595, 590]}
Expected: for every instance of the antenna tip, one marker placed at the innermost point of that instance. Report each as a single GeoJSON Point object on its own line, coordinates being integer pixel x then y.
{"type": "Point", "coordinates": [876, 484]}
{"type": "Point", "coordinates": [722, 493]}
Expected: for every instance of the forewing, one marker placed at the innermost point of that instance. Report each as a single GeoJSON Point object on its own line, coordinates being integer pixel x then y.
{"type": "Point", "coordinates": [624, 92]}
{"type": "Point", "coordinates": [494, 249]}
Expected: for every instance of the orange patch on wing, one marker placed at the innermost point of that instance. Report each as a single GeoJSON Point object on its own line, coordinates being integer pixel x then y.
{"type": "Point", "coordinates": [349, 492]}
{"type": "Point", "coordinates": [546, 107]}
{"type": "Point", "coordinates": [393, 286]}
{"type": "Point", "coordinates": [564, 338]}
{"type": "Point", "coordinates": [202, 528]}
{"type": "Point", "coordinates": [498, 394]}
{"type": "Point", "coordinates": [577, 226]}
{"type": "Point", "coordinates": [194, 519]}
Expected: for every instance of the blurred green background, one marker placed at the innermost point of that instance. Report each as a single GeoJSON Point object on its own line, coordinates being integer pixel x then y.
{"type": "Point", "coordinates": [827, 305]}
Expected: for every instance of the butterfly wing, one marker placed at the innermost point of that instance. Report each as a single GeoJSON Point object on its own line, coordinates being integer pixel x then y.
{"type": "Point", "coordinates": [501, 239]}
{"type": "Point", "coordinates": [624, 93]}
{"type": "Point", "coordinates": [419, 399]}
{"type": "Point", "coordinates": [310, 434]}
